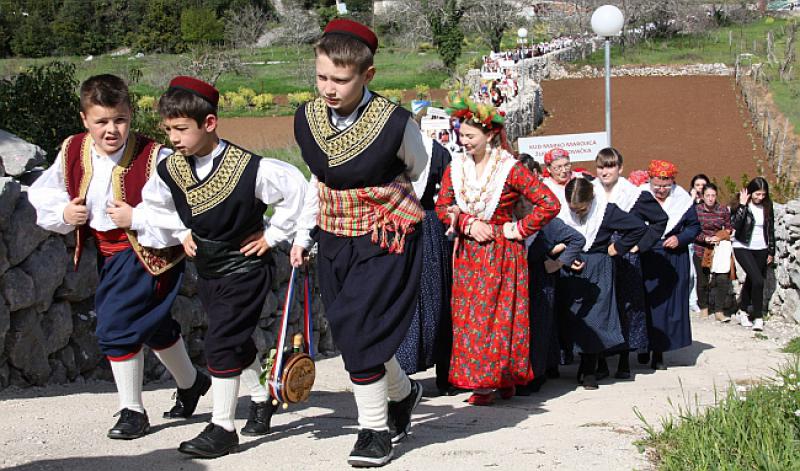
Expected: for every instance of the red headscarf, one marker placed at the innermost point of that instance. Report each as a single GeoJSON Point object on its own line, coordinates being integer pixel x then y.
{"type": "Point", "coordinates": [662, 169]}
{"type": "Point", "coordinates": [555, 154]}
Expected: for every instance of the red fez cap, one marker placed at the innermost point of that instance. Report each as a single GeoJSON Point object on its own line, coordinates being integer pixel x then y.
{"type": "Point", "coordinates": [197, 87]}
{"type": "Point", "coordinates": [662, 169]}
{"type": "Point", "coordinates": [555, 154]}
{"type": "Point", "coordinates": [355, 30]}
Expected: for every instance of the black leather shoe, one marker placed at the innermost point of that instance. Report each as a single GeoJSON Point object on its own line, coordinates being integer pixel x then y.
{"type": "Point", "coordinates": [590, 382]}
{"type": "Point", "coordinates": [602, 371]}
{"type": "Point", "coordinates": [259, 418]}
{"type": "Point", "coordinates": [657, 362]}
{"type": "Point", "coordinates": [213, 442]}
{"type": "Point", "coordinates": [186, 399]}
{"type": "Point", "coordinates": [400, 413]}
{"type": "Point", "coordinates": [131, 424]}
{"type": "Point", "coordinates": [372, 449]}
{"type": "Point", "coordinates": [624, 367]}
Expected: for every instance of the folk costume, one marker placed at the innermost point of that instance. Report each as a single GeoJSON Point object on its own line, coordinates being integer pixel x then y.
{"type": "Point", "coordinates": [491, 321]}
{"type": "Point", "coordinates": [362, 212]}
{"type": "Point", "coordinates": [221, 199]}
{"type": "Point", "coordinates": [429, 338]}
{"type": "Point", "coordinates": [666, 271]}
{"type": "Point", "coordinates": [137, 285]}
{"type": "Point", "coordinates": [589, 304]}
{"type": "Point", "coordinates": [544, 344]}
{"type": "Point", "coordinates": [556, 187]}
{"type": "Point", "coordinates": [628, 267]}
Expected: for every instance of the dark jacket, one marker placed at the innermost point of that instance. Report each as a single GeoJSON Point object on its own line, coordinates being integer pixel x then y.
{"type": "Point", "coordinates": [743, 221]}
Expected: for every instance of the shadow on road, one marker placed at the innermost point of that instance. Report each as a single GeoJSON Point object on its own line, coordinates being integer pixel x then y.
{"type": "Point", "coordinates": [154, 460]}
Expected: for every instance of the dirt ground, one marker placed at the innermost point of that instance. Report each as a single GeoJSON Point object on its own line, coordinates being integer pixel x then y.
{"type": "Point", "coordinates": [698, 122]}
{"type": "Point", "coordinates": [562, 427]}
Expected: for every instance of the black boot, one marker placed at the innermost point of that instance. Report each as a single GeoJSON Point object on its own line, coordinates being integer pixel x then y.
{"type": "Point", "coordinates": [602, 371]}
{"type": "Point", "coordinates": [259, 418]}
{"type": "Point", "coordinates": [186, 399]}
{"type": "Point", "coordinates": [658, 361]}
{"type": "Point", "coordinates": [131, 424]}
{"type": "Point", "coordinates": [372, 449]}
{"type": "Point", "coordinates": [213, 442]}
{"type": "Point", "coordinates": [624, 366]}
{"type": "Point", "coordinates": [400, 413]}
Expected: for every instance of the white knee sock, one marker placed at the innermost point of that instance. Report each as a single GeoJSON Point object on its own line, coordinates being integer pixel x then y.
{"type": "Point", "coordinates": [129, 374]}
{"type": "Point", "coordinates": [225, 393]}
{"type": "Point", "coordinates": [399, 384]}
{"type": "Point", "coordinates": [372, 405]}
{"type": "Point", "coordinates": [178, 363]}
{"type": "Point", "coordinates": [251, 381]}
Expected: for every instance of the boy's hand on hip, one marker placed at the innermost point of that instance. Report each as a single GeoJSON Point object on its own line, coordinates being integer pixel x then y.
{"type": "Point", "coordinates": [121, 213]}
{"type": "Point", "coordinates": [76, 213]}
{"type": "Point", "coordinates": [255, 244]}
{"type": "Point", "coordinates": [189, 246]}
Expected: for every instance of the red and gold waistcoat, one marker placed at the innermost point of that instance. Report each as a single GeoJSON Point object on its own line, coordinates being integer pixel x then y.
{"type": "Point", "coordinates": [127, 180]}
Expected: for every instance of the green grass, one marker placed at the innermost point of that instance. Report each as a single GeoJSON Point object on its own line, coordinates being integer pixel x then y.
{"type": "Point", "coordinates": [289, 154]}
{"type": "Point", "coordinates": [756, 426]}
{"type": "Point", "coordinates": [397, 68]}
{"type": "Point", "coordinates": [793, 346]}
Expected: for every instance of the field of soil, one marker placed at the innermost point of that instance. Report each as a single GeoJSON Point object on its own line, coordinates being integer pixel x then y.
{"type": "Point", "coordinates": [697, 122]}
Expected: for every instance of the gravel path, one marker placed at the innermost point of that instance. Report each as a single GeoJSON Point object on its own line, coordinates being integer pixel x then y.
{"type": "Point", "coordinates": [63, 427]}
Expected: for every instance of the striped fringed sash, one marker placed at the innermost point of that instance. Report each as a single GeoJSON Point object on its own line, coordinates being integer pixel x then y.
{"type": "Point", "coordinates": [393, 207]}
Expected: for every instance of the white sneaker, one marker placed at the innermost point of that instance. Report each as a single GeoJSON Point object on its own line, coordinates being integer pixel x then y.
{"type": "Point", "coordinates": [744, 320]}
{"type": "Point", "coordinates": [758, 324]}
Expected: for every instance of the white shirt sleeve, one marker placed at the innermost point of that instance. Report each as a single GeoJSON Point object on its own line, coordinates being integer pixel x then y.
{"type": "Point", "coordinates": [155, 219]}
{"type": "Point", "coordinates": [281, 185]}
{"type": "Point", "coordinates": [308, 218]}
{"type": "Point", "coordinates": [412, 151]}
{"type": "Point", "coordinates": [49, 197]}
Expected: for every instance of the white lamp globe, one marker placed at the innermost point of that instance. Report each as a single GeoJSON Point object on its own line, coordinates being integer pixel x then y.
{"type": "Point", "coordinates": [522, 33]}
{"type": "Point", "coordinates": [607, 21]}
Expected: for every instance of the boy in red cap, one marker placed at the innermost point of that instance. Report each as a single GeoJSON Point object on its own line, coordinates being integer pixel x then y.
{"type": "Point", "coordinates": [363, 152]}
{"type": "Point", "coordinates": [91, 188]}
{"type": "Point", "coordinates": [220, 193]}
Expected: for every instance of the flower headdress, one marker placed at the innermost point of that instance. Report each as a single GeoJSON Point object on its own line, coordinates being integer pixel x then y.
{"type": "Point", "coordinates": [465, 109]}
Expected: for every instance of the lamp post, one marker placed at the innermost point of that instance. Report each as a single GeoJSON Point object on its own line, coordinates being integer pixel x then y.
{"type": "Point", "coordinates": [607, 21]}
{"type": "Point", "coordinates": [522, 34]}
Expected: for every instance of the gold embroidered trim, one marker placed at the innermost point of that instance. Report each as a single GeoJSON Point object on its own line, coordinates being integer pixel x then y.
{"type": "Point", "coordinates": [86, 163]}
{"type": "Point", "coordinates": [342, 146]}
{"type": "Point", "coordinates": [217, 187]}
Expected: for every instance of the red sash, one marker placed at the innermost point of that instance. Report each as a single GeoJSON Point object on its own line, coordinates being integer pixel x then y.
{"type": "Point", "coordinates": [127, 180]}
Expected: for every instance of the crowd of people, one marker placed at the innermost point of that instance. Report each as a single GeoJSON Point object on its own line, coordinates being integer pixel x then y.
{"type": "Point", "coordinates": [475, 261]}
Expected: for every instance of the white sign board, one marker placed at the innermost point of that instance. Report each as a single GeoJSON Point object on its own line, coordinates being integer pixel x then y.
{"type": "Point", "coordinates": [491, 75]}
{"type": "Point", "coordinates": [581, 147]}
{"type": "Point", "coordinates": [434, 123]}
{"type": "Point", "coordinates": [437, 113]}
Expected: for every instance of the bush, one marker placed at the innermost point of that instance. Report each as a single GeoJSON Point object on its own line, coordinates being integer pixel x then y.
{"type": "Point", "coordinates": [201, 25]}
{"type": "Point", "coordinates": [234, 101]}
{"type": "Point", "coordinates": [423, 91]}
{"type": "Point", "coordinates": [247, 93]}
{"type": "Point", "coordinates": [146, 103]}
{"type": "Point", "coordinates": [263, 101]}
{"type": "Point", "coordinates": [297, 99]}
{"type": "Point", "coordinates": [393, 95]}
{"type": "Point", "coordinates": [41, 105]}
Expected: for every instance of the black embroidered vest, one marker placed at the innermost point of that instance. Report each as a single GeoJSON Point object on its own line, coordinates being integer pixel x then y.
{"type": "Point", "coordinates": [363, 155]}
{"type": "Point", "coordinates": [222, 207]}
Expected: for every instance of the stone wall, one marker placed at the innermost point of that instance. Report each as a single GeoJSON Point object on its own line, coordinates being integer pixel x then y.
{"type": "Point", "coordinates": [785, 300]}
{"type": "Point", "coordinates": [47, 317]}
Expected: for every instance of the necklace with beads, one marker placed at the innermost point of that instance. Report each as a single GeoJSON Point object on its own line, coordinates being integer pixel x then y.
{"type": "Point", "coordinates": [475, 192]}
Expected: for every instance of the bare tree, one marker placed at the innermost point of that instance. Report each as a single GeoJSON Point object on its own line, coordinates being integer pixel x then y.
{"type": "Point", "coordinates": [243, 26]}
{"type": "Point", "coordinates": [209, 63]}
{"type": "Point", "coordinates": [490, 19]}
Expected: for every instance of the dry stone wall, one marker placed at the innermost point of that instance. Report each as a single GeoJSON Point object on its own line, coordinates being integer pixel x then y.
{"type": "Point", "coordinates": [47, 317]}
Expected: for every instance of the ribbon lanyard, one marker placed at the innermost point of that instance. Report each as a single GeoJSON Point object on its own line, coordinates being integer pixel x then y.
{"type": "Point", "coordinates": [280, 357]}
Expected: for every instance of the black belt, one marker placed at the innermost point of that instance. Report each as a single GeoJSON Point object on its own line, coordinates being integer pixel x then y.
{"type": "Point", "coordinates": [217, 259]}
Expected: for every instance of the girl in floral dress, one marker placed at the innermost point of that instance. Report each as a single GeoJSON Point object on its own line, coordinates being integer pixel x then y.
{"type": "Point", "coordinates": [490, 304]}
